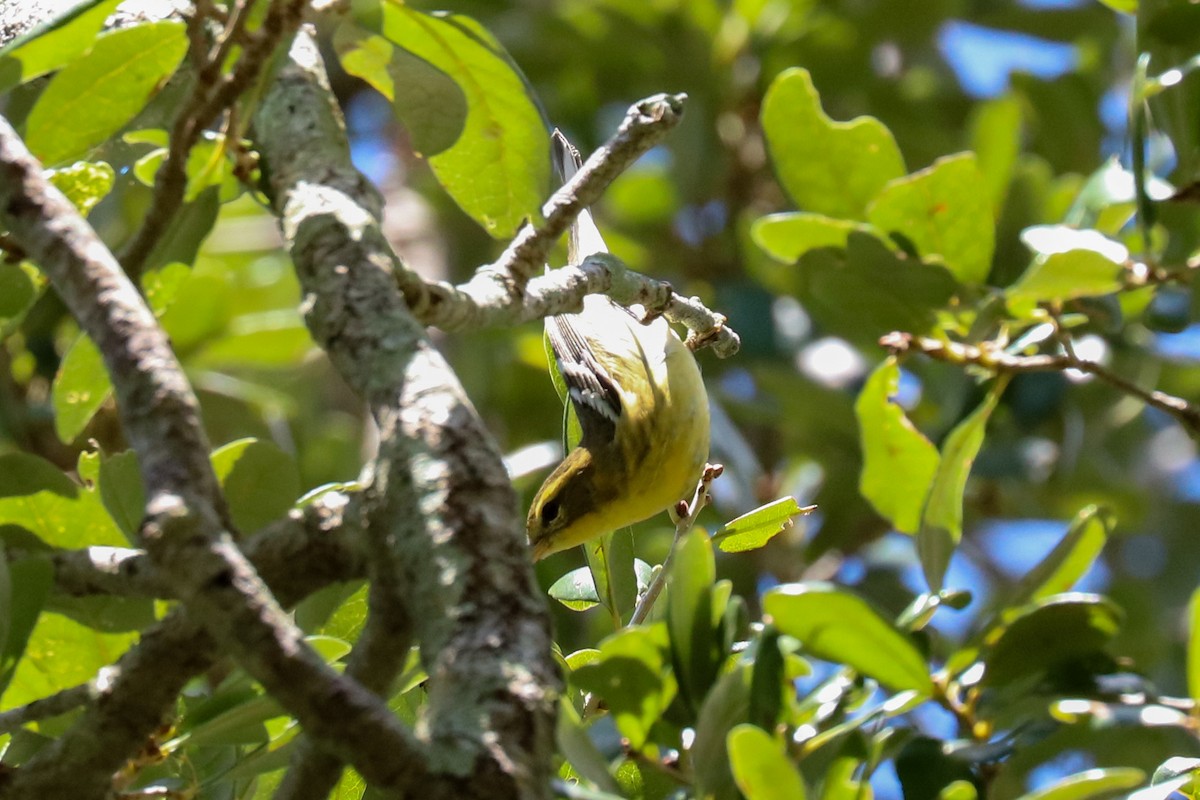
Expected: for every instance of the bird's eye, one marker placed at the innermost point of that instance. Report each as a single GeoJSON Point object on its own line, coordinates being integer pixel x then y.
{"type": "Point", "coordinates": [549, 512]}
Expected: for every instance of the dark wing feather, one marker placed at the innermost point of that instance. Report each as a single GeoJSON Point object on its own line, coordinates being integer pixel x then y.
{"type": "Point", "coordinates": [592, 390]}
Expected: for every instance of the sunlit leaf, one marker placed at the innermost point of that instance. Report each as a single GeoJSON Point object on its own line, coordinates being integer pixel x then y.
{"type": "Point", "coordinates": [944, 214]}
{"type": "Point", "coordinates": [53, 44]}
{"type": "Point", "coordinates": [85, 183]}
{"type": "Point", "coordinates": [761, 769]}
{"type": "Point", "coordinates": [827, 167]}
{"type": "Point", "coordinates": [97, 94]}
{"type": "Point", "coordinates": [1090, 783]}
{"type": "Point", "coordinates": [941, 524]}
{"type": "Point", "coordinates": [39, 498]}
{"type": "Point", "coordinates": [694, 649]}
{"type": "Point", "coordinates": [1071, 557]}
{"type": "Point", "coordinates": [899, 463]}
{"type": "Point", "coordinates": [755, 528]}
{"type": "Point", "coordinates": [786, 237]}
{"type": "Point", "coordinates": [576, 590]}
{"type": "Point", "coordinates": [837, 626]}
{"type": "Point", "coordinates": [497, 169]}
{"type": "Point", "coordinates": [634, 678]}
{"type": "Point", "coordinates": [80, 388]}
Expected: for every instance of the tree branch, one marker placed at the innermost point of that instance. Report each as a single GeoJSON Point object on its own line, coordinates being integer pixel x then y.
{"type": "Point", "coordinates": [439, 496]}
{"type": "Point", "coordinates": [186, 528]}
{"type": "Point", "coordinates": [645, 125]}
{"type": "Point", "coordinates": [213, 93]}
{"type": "Point", "coordinates": [512, 290]}
{"type": "Point", "coordinates": [998, 361]}
{"type": "Point", "coordinates": [296, 556]}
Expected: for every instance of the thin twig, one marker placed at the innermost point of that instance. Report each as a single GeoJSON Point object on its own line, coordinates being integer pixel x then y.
{"type": "Point", "coordinates": [999, 361]}
{"type": "Point", "coordinates": [211, 95]}
{"type": "Point", "coordinates": [52, 706]}
{"type": "Point", "coordinates": [645, 125]}
{"type": "Point", "coordinates": [685, 524]}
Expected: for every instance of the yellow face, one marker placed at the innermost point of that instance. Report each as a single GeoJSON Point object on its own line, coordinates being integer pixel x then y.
{"type": "Point", "coordinates": [565, 511]}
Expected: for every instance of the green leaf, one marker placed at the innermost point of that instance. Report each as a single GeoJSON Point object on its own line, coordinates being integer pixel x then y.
{"type": "Point", "coordinates": [941, 210]}
{"type": "Point", "coordinates": [1193, 646]}
{"type": "Point", "coordinates": [755, 528]}
{"type": "Point", "coordinates": [1070, 558]}
{"type": "Point", "coordinates": [20, 286]}
{"type": "Point", "coordinates": [828, 167]}
{"type": "Point", "coordinates": [995, 131]}
{"type": "Point", "coordinates": [1069, 264]}
{"type": "Point", "coordinates": [497, 169]}
{"type": "Point", "coordinates": [725, 707]}
{"type": "Point", "coordinates": [767, 680]}
{"type": "Point", "coordinates": [37, 497]}
{"type": "Point", "coordinates": [941, 524]}
{"type": "Point", "coordinates": [576, 590]}
{"type": "Point", "coordinates": [62, 653]}
{"type": "Point", "coordinates": [865, 291]}
{"type": "Point", "coordinates": [105, 614]}
{"type": "Point", "coordinates": [270, 339]}
{"type": "Point", "coordinates": [578, 749]}
{"type": "Point", "coordinates": [97, 94]}
{"type": "Point", "coordinates": [53, 44]}
{"type": "Point", "coordinates": [427, 100]}
{"type": "Point", "coordinates": [260, 481]}
{"type": "Point", "coordinates": [1090, 783]}
{"type": "Point", "coordinates": [634, 678]}
{"type": "Point", "coordinates": [161, 286]}
{"type": "Point", "coordinates": [761, 769]}
{"type": "Point", "coordinates": [899, 463]}
{"type": "Point", "coordinates": [81, 386]}
{"type": "Point", "coordinates": [85, 183]}
{"type": "Point", "coordinates": [1048, 634]}
{"type": "Point", "coordinates": [29, 584]}
{"type": "Point", "coordinates": [786, 237]}
{"type": "Point", "coordinates": [694, 646]}
{"type": "Point", "coordinates": [840, 627]}
{"type": "Point", "coordinates": [1123, 6]}
{"type": "Point", "coordinates": [610, 559]}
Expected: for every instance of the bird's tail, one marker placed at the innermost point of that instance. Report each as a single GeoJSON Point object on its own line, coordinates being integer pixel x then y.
{"type": "Point", "coordinates": [584, 238]}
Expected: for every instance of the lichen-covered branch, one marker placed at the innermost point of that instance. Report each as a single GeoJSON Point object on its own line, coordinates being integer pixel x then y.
{"type": "Point", "coordinates": [439, 495]}
{"type": "Point", "coordinates": [127, 703]}
{"type": "Point", "coordinates": [513, 290]}
{"type": "Point", "coordinates": [998, 361]}
{"type": "Point", "coordinates": [186, 531]}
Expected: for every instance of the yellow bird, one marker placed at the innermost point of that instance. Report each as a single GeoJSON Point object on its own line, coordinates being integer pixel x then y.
{"type": "Point", "coordinates": [641, 405]}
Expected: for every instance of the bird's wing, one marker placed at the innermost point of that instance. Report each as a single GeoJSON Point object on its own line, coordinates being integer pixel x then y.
{"type": "Point", "coordinates": [593, 392]}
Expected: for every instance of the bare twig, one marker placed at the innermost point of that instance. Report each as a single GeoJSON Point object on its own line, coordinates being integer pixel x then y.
{"type": "Point", "coordinates": [998, 361]}
{"type": "Point", "coordinates": [512, 290]}
{"type": "Point", "coordinates": [212, 94]}
{"type": "Point", "coordinates": [52, 706]}
{"type": "Point", "coordinates": [645, 125]}
{"type": "Point", "coordinates": [480, 304]}
{"type": "Point", "coordinates": [682, 527]}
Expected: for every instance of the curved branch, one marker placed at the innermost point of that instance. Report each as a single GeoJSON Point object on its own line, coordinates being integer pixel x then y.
{"type": "Point", "coordinates": [186, 531]}
{"type": "Point", "coordinates": [998, 361]}
{"type": "Point", "coordinates": [440, 500]}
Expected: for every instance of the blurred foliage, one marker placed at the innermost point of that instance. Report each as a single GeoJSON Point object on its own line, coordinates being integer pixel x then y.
{"type": "Point", "coordinates": [995, 595]}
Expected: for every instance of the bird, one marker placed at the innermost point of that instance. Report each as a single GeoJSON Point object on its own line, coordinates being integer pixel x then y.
{"type": "Point", "coordinates": [638, 394]}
